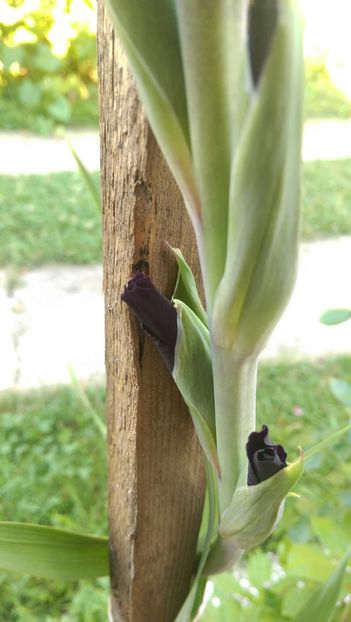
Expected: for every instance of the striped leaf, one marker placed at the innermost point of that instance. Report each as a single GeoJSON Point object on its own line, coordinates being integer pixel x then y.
{"type": "Point", "coordinates": [43, 551]}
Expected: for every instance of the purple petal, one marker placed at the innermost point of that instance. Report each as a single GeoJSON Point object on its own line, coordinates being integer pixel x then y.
{"type": "Point", "coordinates": [155, 312]}
{"type": "Point", "coordinates": [265, 457]}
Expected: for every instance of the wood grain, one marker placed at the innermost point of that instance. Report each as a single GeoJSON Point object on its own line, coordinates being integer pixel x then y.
{"type": "Point", "coordinates": [156, 478]}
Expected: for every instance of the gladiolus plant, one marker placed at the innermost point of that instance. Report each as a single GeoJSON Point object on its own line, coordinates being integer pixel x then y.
{"type": "Point", "coordinates": [221, 82]}
{"type": "Point", "coordinates": [222, 85]}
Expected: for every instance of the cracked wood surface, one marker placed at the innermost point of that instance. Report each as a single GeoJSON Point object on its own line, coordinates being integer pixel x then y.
{"type": "Point", "coordinates": [156, 479]}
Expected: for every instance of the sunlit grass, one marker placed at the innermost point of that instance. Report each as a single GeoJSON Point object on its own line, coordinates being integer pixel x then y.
{"type": "Point", "coordinates": [48, 219]}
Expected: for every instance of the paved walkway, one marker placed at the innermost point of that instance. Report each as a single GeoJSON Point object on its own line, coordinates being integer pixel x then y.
{"type": "Point", "coordinates": [21, 152]}
{"type": "Point", "coordinates": [51, 323]}
{"type": "Point", "coordinates": [51, 319]}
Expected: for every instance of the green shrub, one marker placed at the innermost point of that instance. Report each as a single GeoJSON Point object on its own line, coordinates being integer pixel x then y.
{"type": "Point", "coordinates": [48, 66]}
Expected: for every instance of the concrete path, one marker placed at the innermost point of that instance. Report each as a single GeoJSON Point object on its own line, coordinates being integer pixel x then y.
{"type": "Point", "coordinates": [329, 139]}
{"type": "Point", "coordinates": [52, 318]}
{"type": "Point", "coordinates": [323, 282]}
{"type": "Point", "coordinates": [24, 153]}
{"type": "Point", "coordinates": [51, 324]}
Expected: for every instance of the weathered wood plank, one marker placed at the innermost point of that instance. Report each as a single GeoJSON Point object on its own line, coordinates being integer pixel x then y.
{"type": "Point", "coordinates": [156, 482]}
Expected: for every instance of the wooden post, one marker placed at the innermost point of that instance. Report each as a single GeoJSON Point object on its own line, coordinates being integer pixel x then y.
{"type": "Point", "coordinates": [156, 480]}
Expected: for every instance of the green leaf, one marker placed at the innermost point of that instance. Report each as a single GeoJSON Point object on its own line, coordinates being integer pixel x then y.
{"type": "Point", "coordinates": [341, 390]}
{"type": "Point", "coordinates": [333, 536]}
{"type": "Point", "coordinates": [88, 178]}
{"type": "Point", "coordinates": [192, 373]}
{"type": "Point", "coordinates": [11, 55]}
{"type": "Point", "coordinates": [225, 588]}
{"type": "Point", "coordinates": [259, 569]}
{"type": "Point", "coordinates": [89, 409]}
{"type": "Point", "coordinates": [153, 33]}
{"type": "Point", "coordinates": [60, 109]}
{"type": "Point", "coordinates": [45, 60]}
{"type": "Point", "coordinates": [29, 93]}
{"type": "Point", "coordinates": [185, 614]}
{"type": "Point", "coordinates": [185, 288]}
{"type": "Point", "coordinates": [332, 438]}
{"type": "Point", "coordinates": [254, 510]}
{"type": "Point", "coordinates": [264, 199]}
{"type": "Point", "coordinates": [307, 562]}
{"type": "Point", "coordinates": [214, 58]}
{"type": "Point", "coordinates": [321, 604]}
{"type": "Point", "coordinates": [52, 553]}
{"type": "Point", "coordinates": [200, 591]}
{"type": "Point", "coordinates": [149, 34]}
{"type": "Point", "coordinates": [293, 599]}
{"type": "Point", "coordinates": [335, 316]}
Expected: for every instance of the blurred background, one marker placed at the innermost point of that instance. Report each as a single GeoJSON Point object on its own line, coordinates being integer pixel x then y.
{"type": "Point", "coordinates": [52, 447]}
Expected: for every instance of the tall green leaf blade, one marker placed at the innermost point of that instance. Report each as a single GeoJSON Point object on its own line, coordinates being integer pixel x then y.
{"type": "Point", "coordinates": [264, 199]}
{"type": "Point", "coordinates": [205, 436]}
{"type": "Point", "coordinates": [148, 32]}
{"type": "Point", "coordinates": [214, 51]}
{"type": "Point", "coordinates": [187, 610]}
{"type": "Point", "coordinates": [89, 409]}
{"type": "Point", "coordinates": [192, 373]}
{"type": "Point", "coordinates": [329, 440]}
{"type": "Point", "coordinates": [88, 178]}
{"type": "Point", "coordinates": [152, 30]}
{"type": "Point", "coordinates": [192, 370]}
{"type": "Point", "coordinates": [43, 551]}
{"type": "Point", "coordinates": [322, 601]}
{"type": "Point", "coordinates": [185, 288]}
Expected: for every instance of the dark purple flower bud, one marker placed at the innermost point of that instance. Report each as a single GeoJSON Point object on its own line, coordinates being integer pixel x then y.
{"type": "Point", "coordinates": [265, 457]}
{"type": "Point", "coordinates": [263, 16]}
{"type": "Point", "coordinates": [156, 313]}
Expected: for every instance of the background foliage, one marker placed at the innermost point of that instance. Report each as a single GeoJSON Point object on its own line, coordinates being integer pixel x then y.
{"type": "Point", "coordinates": [48, 64]}
{"type": "Point", "coordinates": [48, 68]}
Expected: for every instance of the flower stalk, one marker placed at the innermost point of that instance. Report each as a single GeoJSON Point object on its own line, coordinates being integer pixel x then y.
{"type": "Point", "coordinates": [235, 406]}
{"type": "Point", "coordinates": [230, 128]}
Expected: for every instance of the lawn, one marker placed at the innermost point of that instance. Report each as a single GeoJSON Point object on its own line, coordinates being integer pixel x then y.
{"type": "Point", "coordinates": [53, 471]}
{"type": "Point", "coordinates": [48, 218]}
{"type": "Point", "coordinates": [327, 199]}
{"type": "Point", "coordinates": [52, 218]}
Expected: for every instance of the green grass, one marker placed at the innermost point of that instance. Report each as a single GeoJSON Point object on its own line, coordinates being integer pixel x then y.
{"type": "Point", "coordinates": [327, 199]}
{"type": "Point", "coordinates": [53, 471]}
{"type": "Point", "coordinates": [323, 99]}
{"type": "Point", "coordinates": [48, 218]}
{"type": "Point", "coordinates": [53, 219]}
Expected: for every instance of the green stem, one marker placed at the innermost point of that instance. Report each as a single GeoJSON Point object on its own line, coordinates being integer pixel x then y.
{"type": "Point", "coordinates": [222, 557]}
{"type": "Point", "coordinates": [235, 403]}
